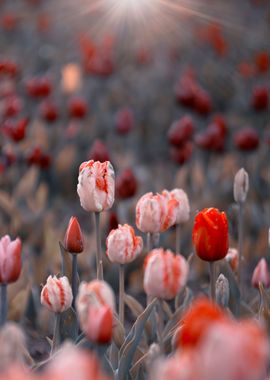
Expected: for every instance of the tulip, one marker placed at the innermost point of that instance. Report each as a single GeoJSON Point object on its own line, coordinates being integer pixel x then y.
{"type": "Point", "coordinates": [123, 247]}
{"type": "Point", "coordinates": [77, 108]}
{"type": "Point", "coordinates": [182, 210]}
{"type": "Point", "coordinates": [124, 121]}
{"type": "Point", "coordinates": [260, 98]}
{"type": "Point", "coordinates": [126, 184]}
{"type": "Point", "coordinates": [261, 275]}
{"type": "Point", "coordinates": [96, 191]}
{"type": "Point", "coordinates": [165, 274]}
{"type": "Point", "coordinates": [10, 269]}
{"type": "Point", "coordinates": [49, 111]}
{"type": "Point", "coordinates": [74, 245]}
{"type": "Point", "coordinates": [175, 367]}
{"type": "Point", "coordinates": [211, 238]}
{"type": "Point", "coordinates": [181, 131]}
{"type": "Point", "coordinates": [246, 139]}
{"type": "Point", "coordinates": [232, 258]}
{"type": "Point", "coordinates": [99, 152]}
{"type": "Point", "coordinates": [95, 305]}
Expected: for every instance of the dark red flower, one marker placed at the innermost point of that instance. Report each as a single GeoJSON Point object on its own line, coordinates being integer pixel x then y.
{"type": "Point", "coordinates": [74, 237]}
{"type": "Point", "coordinates": [113, 221]}
{"type": "Point", "coordinates": [99, 152]}
{"type": "Point", "coordinates": [12, 105]}
{"type": "Point", "coordinates": [9, 68]}
{"type": "Point", "coordinates": [126, 184]}
{"type": "Point", "coordinates": [247, 139]}
{"type": "Point", "coordinates": [124, 121]}
{"type": "Point", "coordinates": [49, 111]}
{"type": "Point", "coordinates": [182, 154]}
{"type": "Point", "coordinates": [210, 234]}
{"type": "Point", "coordinates": [260, 98]}
{"type": "Point", "coordinates": [262, 60]}
{"type": "Point", "coordinates": [181, 130]}
{"type": "Point", "coordinates": [212, 138]}
{"type": "Point", "coordinates": [185, 91]}
{"type": "Point", "coordinates": [37, 157]}
{"type": "Point", "coordinates": [15, 130]}
{"type": "Point", "coordinates": [39, 87]}
{"type": "Point", "coordinates": [77, 108]}
{"type": "Point", "coordinates": [202, 102]}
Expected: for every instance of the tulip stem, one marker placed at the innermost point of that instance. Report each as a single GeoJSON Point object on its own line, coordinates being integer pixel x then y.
{"type": "Point", "coordinates": [74, 279]}
{"type": "Point", "coordinates": [240, 246]}
{"type": "Point", "coordinates": [3, 309]}
{"type": "Point", "coordinates": [56, 335]}
{"type": "Point", "coordinates": [121, 293]}
{"type": "Point", "coordinates": [212, 280]}
{"type": "Point", "coordinates": [98, 251]}
{"type": "Point", "coordinates": [178, 239]}
{"type": "Point", "coordinates": [160, 324]}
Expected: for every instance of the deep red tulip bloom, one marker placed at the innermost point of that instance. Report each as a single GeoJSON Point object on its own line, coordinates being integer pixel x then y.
{"type": "Point", "coordinates": [210, 234]}
{"type": "Point", "coordinates": [74, 237]}
{"type": "Point", "coordinates": [99, 152]}
{"type": "Point", "coordinates": [49, 111]}
{"type": "Point", "coordinates": [126, 184]}
{"type": "Point", "coordinates": [181, 130]}
{"type": "Point", "coordinates": [77, 107]}
{"type": "Point", "coordinates": [10, 259]}
{"type": "Point", "coordinates": [202, 102]}
{"type": "Point", "coordinates": [262, 60]}
{"type": "Point", "coordinates": [16, 131]}
{"type": "Point", "coordinates": [39, 87]}
{"type": "Point", "coordinates": [182, 154]}
{"type": "Point", "coordinates": [247, 139]}
{"type": "Point", "coordinates": [260, 98]}
{"type": "Point", "coordinates": [9, 68]}
{"type": "Point", "coordinates": [124, 121]}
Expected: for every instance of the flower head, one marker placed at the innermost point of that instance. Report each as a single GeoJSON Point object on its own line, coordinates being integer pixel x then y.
{"type": "Point", "coordinates": [210, 234]}
{"type": "Point", "coordinates": [261, 274]}
{"type": "Point", "coordinates": [10, 259]}
{"type": "Point", "coordinates": [96, 186]}
{"type": "Point", "coordinates": [241, 185]}
{"type": "Point", "coordinates": [182, 207]}
{"type": "Point", "coordinates": [73, 237]}
{"type": "Point", "coordinates": [56, 295]}
{"type": "Point", "coordinates": [123, 246]}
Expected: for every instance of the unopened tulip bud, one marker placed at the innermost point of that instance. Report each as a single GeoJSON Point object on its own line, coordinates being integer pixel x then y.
{"type": "Point", "coordinates": [73, 237]}
{"type": "Point", "coordinates": [222, 291]}
{"type": "Point", "coordinates": [182, 209]}
{"type": "Point", "coordinates": [95, 305]}
{"type": "Point", "coordinates": [155, 213]}
{"type": "Point", "coordinates": [56, 295]}
{"type": "Point", "coordinates": [10, 259]}
{"type": "Point", "coordinates": [96, 186]}
{"type": "Point", "coordinates": [232, 258]}
{"type": "Point", "coordinates": [241, 186]}
{"type": "Point", "coordinates": [123, 246]}
{"type": "Point", "coordinates": [165, 274]}
{"type": "Point", "coordinates": [261, 275]}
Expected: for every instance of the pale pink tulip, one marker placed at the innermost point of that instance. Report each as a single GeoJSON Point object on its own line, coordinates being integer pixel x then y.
{"type": "Point", "coordinates": [177, 367]}
{"type": "Point", "coordinates": [123, 246]}
{"type": "Point", "coordinates": [261, 274]}
{"type": "Point", "coordinates": [155, 213]}
{"type": "Point", "coordinates": [96, 185]}
{"type": "Point", "coordinates": [56, 295]}
{"type": "Point", "coordinates": [165, 274]}
{"type": "Point", "coordinates": [10, 259]}
{"type": "Point", "coordinates": [232, 258]}
{"type": "Point", "coordinates": [182, 207]}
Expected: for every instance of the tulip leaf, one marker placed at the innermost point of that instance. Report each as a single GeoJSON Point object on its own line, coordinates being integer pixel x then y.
{"type": "Point", "coordinates": [68, 328]}
{"type": "Point", "coordinates": [234, 301]}
{"type": "Point", "coordinates": [118, 332]}
{"type": "Point", "coordinates": [132, 341]}
{"type": "Point", "coordinates": [135, 306]}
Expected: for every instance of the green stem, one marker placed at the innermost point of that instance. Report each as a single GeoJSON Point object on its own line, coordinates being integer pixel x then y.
{"type": "Point", "coordinates": [3, 309]}
{"type": "Point", "coordinates": [74, 279]}
{"type": "Point", "coordinates": [98, 248]}
{"type": "Point", "coordinates": [121, 293]}
{"type": "Point", "coordinates": [56, 335]}
{"type": "Point", "coordinates": [240, 245]}
{"type": "Point", "coordinates": [178, 239]}
{"type": "Point", "coordinates": [212, 280]}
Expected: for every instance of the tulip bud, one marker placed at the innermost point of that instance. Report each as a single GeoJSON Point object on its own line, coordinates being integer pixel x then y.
{"type": "Point", "coordinates": [210, 234]}
{"type": "Point", "coordinates": [56, 295]}
{"type": "Point", "coordinates": [155, 213]}
{"type": "Point", "coordinates": [165, 274]}
{"type": "Point", "coordinates": [122, 245]}
{"type": "Point", "coordinates": [126, 184]}
{"type": "Point", "coordinates": [95, 305]}
{"type": "Point", "coordinates": [99, 152]}
{"type": "Point", "coordinates": [182, 209]}
{"type": "Point", "coordinates": [241, 186]}
{"type": "Point", "coordinates": [232, 258]}
{"type": "Point", "coordinates": [261, 274]}
{"type": "Point", "coordinates": [73, 237]}
{"type": "Point", "coordinates": [222, 291]}
{"type": "Point", "coordinates": [10, 259]}
{"type": "Point", "coordinates": [96, 186]}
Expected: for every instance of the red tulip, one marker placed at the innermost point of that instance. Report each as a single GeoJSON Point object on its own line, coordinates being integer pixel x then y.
{"type": "Point", "coordinates": [99, 152]}
{"type": "Point", "coordinates": [126, 184]}
{"type": "Point", "coordinates": [8, 68]}
{"type": "Point", "coordinates": [12, 106]}
{"type": "Point", "coordinates": [77, 107]}
{"type": "Point", "coordinates": [15, 130]}
{"type": "Point", "coordinates": [262, 60]}
{"type": "Point", "coordinates": [182, 154]}
{"type": "Point", "coordinates": [124, 121]}
{"type": "Point", "coordinates": [247, 139]}
{"type": "Point", "coordinates": [37, 157]}
{"type": "Point", "coordinates": [39, 87]}
{"type": "Point", "coordinates": [49, 111]}
{"type": "Point", "coordinates": [202, 102]}
{"type": "Point", "coordinates": [210, 234]}
{"type": "Point", "coordinates": [185, 90]}
{"type": "Point", "coordinates": [181, 131]}
{"type": "Point", "coordinates": [260, 98]}
{"type": "Point", "coordinates": [74, 237]}
{"type": "Point", "coordinates": [10, 259]}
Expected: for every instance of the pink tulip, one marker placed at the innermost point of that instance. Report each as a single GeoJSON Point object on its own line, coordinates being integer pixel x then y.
{"type": "Point", "coordinates": [232, 258]}
{"type": "Point", "coordinates": [56, 295]}
{"type": "Point", "coordinates": [10, 259]}
{"type": "Point", "coordinates": [122, 245]}
{"type": "Point", "coordinates": [96, 185]}
{"type": "Point", "coordinates": [177, 367]}
{"type": "Point", "coordinates": [182, 207]}
{"type": "Point", "coordinates": [155, 213]}
{"type": "Point", "coordinates": [165, 274]}
{"type": "Point", "coordinates": [95, 300]}
{"type": "Point", "coordinates": [261, 274]}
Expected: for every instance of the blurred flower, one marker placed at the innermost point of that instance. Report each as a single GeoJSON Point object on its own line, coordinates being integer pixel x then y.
{"type": "Point", "coordinates": [113, 221]}
{"type": "Point", "coordinates": [261, 275]}
{"type": "Point", "coordinates": [99, 151]}
{"type": "Point", "coordinates": [123, 246]}
{"type": "Point", "coordinates": [96, 186]}
{"type": "Point", "coordinates": [222, 291]}
{"type": "Point", "coordinates": [186, 89]}
{"type": "Point", "coordinates": [74, 237]}
{"type": "Point", "coordinates": [246, 139]}
{"type": "Point", "coordinates": [9, 68]}
{"type": "Point", "coordinates": [49, 111]}
{"type": "Point", "coordinates": [182, 209]}
{"type": "Point", "coordinates": [95, 305]}
{"type": "Point", "coordinates": [165, 274]}
{"type": "Point", "coordinates": [201, 316]}
{"type": "Point", "coordinates": [9, 21]}
{"type": "Point", "coordinates": [124, 121]}
{"type": "Point", "coordinates": [155, 213]}
{"type": "Point", "coordinates": [16, 131]}
{"type": "Point", "coordinates": [175, 367]}
{"type": "Point", "coordinates": [202, 102]}
{"type": "Point", "coordinates": [10, 259]}
{"type": "Point", "coordinates": [56, 295]}
{"type": "Point", "coordinates": [240, 186]}
{"type": "Point", "coordinates": [39, 87]}
{"type": "Point", "coordinates": [213, 138]}
{"type": "Point", "coordinates": [183, 153]}
{"type": "Point", "coordinates": [181, 130]}
{"type": "Point", "coordinates": [233, 351]}
{"type": "Point", "coordinates": [210, 234]}
{"type": "Point", "coordinates": [77, 107]}
{"type": "Point", "coordinates": [262, 60]}
{"type": "Point", "coordinates": [126, 184]}
{"type": "Point", "coordinates": [37, 157]}
{"type": "Point", "coordinates": [260, 98]}
{"type": "Point", "coordinates": [232, 258]}
{"type": "Point", "coordinates": [71, 80]}
{"type": "Point", "coordinates": [11, 107]}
